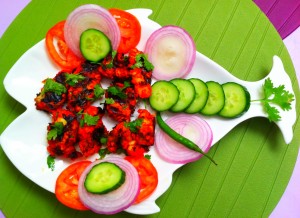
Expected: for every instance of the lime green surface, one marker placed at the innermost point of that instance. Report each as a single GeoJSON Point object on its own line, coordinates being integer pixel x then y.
{"type": "Point", "coordinates": [254, 163]}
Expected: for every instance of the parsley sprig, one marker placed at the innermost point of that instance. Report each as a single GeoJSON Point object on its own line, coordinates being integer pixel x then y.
{"type": "Point", "coordinates": [275, 96]}
{"type": "Point", "coordinates": [118, 91]}
{"type": "Point", "coordinates": [57, 129]}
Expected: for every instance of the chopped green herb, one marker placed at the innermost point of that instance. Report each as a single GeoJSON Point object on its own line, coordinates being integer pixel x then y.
{"type": "Point", "coordinates": [89, 120]}
{"type": "Point", "coordinates": [52, 86]}
{"type": "Point", "coordinates": [103, 140]}
{"type": "Point", "coordinates": [148, 156]}
{"type": "Point", "coordinates": [118, 91]}
{"type": "Point", "coordinates": [134, 125]}
{"type": "Point", "coordinates": [57, 129]}
{"type": "Point", "coordinates": [109, 101]}
{"type": "Point", "coordinates": [51, 162]}
{"type": "Point", "coordinates": [103, 152]}
{"type": "Point", "coordinates": [111, 63]}
{"type": "Point", "coordinates": [73, 79]}
{"type": "Point", "coordinates": [142, 61]}
{"type": "Point", "coordinates": [98, 91]}
{"type": "Point", "coordinates": [276, 96]}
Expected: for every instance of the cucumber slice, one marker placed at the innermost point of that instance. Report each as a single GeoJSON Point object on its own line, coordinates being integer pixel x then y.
{"type": "Point", "coordinates": [216, 99]}
{"type": "Point", "coordinates": [164, 95]}
{"type": "Point", "coordinates": [94, 45]}
{"type": "Point", "coordinates": [104, 177]}
{"type": "Point", "coordinates": [237, 100]}
{"type": "Point", "coordinates": [200, 97]}
{"type": "Point", "coordinates": [186, 94]}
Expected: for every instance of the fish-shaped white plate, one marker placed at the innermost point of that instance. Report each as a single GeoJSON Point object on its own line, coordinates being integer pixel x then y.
{"type": "Point", "coordinates": [24, 140]}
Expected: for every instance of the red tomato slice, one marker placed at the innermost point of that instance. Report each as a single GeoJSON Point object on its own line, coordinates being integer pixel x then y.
{"type": "Point", "coordinates": [66, 188]}
{"type": "Point", "coordinates": [60, 54]}
{"type": "Point", "coordinates": [148, 176]}
{"type": "Point", "coordinates": [130, 29]}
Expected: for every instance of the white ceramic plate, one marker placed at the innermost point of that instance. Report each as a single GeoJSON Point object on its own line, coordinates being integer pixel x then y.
{"type": "Point", "coordinates": [24, 140]}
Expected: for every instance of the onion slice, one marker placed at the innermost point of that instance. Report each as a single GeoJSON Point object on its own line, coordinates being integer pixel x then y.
{"type": "Point", "coordinates": [90, 16]}
{"type": "Point", "coordinates": [172, 51]}
{"type": "Point", "coordinates": [192, 127]}
{"type": "Point", "coordinates": [114, 201]}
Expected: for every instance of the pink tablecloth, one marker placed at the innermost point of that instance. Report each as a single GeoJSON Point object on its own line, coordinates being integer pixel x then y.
{"type": "Point", "coordinates": [285, 15]}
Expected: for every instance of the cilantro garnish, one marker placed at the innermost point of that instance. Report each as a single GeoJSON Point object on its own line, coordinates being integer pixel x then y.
{"type": "Point", "coordinates": [148, 156]}
{"type": "Point", "coordinates": [73, 79]}
{"type": "Point", "coordinates": [134, 125]}
{"type": "Point", "coordinates": [51, 162]}
{"type": "Point", "coordinates": [52, 86]}
{"type": "Point", "coordinates": [142, 61]}
{"type": "Point", "coordinates": [56, 130]}
{"type": "Point", "coordinates": [118, 91]}
{"type": "Point", "coordinates": [89, 120]}
{"type": "Point", "coordinates": [111, 63]}
{"type": "Point", "coordinates": [102, 152]}
{"type": "Point", "coordinates": [98, 91]}
{"type": "Point", "coordinates": [109, 101]}
{"type": "Point", "coordinates": [275, 96]}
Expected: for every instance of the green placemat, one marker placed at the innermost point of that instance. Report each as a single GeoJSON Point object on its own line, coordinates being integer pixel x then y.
{"type": "Point", "coordinates": [254, 163]}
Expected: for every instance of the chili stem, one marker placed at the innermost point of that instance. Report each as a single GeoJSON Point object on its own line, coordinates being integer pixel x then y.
{"type": "Point", "coordinates": [179, 138]}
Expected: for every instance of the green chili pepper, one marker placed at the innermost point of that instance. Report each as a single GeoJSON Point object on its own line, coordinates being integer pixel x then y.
{"type": "Point", "coordinates": [179, 138]}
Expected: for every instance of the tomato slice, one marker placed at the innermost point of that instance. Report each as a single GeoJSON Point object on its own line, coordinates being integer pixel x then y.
{"type": "Point", "coordinates": [148, 176]}
{"type": "Point", "coordinates": [130, 29]}
{"type": "Point", "coordinates": [66, 188]}
{"type": "Point", "coordinates": [60, 54]}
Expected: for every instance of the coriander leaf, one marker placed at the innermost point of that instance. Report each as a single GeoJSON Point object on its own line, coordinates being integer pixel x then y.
{"type": "Point", "coordinates": [148, 156]}
{"type": "Point", "coordinates": [142, 61]}
{"type": "Point", "coordinates": [102, 152]}
{"type": "Point", "coordinates": [109, 101]}
{"type": "Point", "coordinates": [268, 88]}
{"type": "Point", "coordinates": [51, 162]}
{"type": "Point", "coordinates": [116, 91]}
{"type": "Point", "coordinates": [89, 120]}
{"type": "Point", "coordinates": [111, 63]}
{"type": "Point", "coordinates": [56, 130]}
{"type": "Point", "coordinates": [73, 79]}
{"type": "Point", "coordinates": [52, 86]}
{"type": "Point", "coordinates": [98, 91]}
{"type": "Point", "coordinates": [282, 98]}
{"type": "Point", "coordinates": [275, 96]}
{"type": "Point", "coordinates": [134, 125]}
{"type": "Point", "coordinates": [273, 113]}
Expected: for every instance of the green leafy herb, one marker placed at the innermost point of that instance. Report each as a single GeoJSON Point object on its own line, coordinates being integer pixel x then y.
{"type": "Point", "coordinates": [142, 61]}
{"type": "Point", "coordinates": [57, 129]}
{"type": "Point", "coordinates": [52, 86]}
{"type": "Point", "coordinates": [103, 152]}
{"type": "Point", "coordinates": [148, 156]}
{"type": "Point", "coordinates": [103, 140]}
{"type": "Point", "coordinates": [111, 63]}
{"type": "Point", "coordinates": [109, 101]}
{"type": "Point", "coordinates": [275, 96]}
{"type": "Point", "coordinates": [134, 125]}
{"type": "Point", "coordinates": [89, 120]}
{"type": "Point", "coordinates": [73, 79]}
{"type": "Point", "coordinates": [118, 91]}
{"type": "Point", "coordinates": [51, 162]}
{"type": "Point", "coordinates": [98, 91]}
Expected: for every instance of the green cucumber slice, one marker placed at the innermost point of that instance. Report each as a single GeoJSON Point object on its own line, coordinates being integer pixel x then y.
{"type": "Point", "coordinates": [164, 95]}
{"type": "Point", "coordinates": [216, 99]}
{"type": "Point", "coordinates": [94, 45]}
{"type": "Point", "coordinates": [237, 100]}
{"type": "Point", "coordinates": [200, 98]}
{"type": "Point", "coordinates": [186, 94]}
{"type": "Point", "coordinates": [104, 177]}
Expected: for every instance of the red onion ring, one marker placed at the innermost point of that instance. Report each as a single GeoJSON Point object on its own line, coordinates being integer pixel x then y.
{"type": "Point", "coordinates": [114, 201]}
{"type": "Point", "coordinates": [174, 152]}
{"type": "Point", "coordinates": [86, 17]}
{"type": "Point", "coordinates": [172, 51]}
